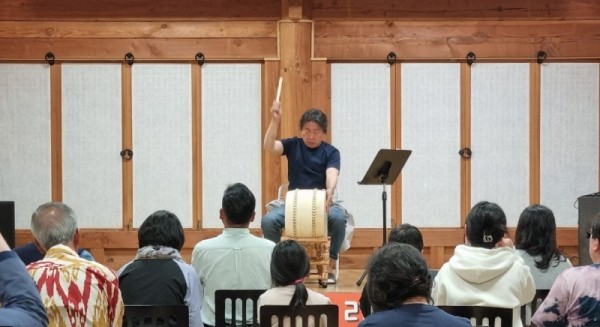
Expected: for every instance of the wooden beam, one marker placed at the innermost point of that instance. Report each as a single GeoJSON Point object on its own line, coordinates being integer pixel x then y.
{"type": "Point", "coordinates": [114, 248]}
{"type": "Point", "coordinates": [127, 143]}
{"type": "Point", "coordinates": [396, 138]}
{"type": "Point", "coordinates": [534, 133]}
{"type": "Point", "coordinates": [271, 164]}
{"type": "Point", "coordinates": [56, 130]}
{"type": "Point", "coordinates": [141, 10]}
{"type": "Point", "coordinates": [22, 49]}
{"type": "Point", "coordinates": [138, 30]}
{"type": "Point", "coordinates": [296, 69]}
{"type": "Point", "coordinates": [196, 145]}
{"type": "Point", "coordinates": [452, 40]}
{"type": "Point", "coordinates": [465, 140]}
{"type": "Point", "coordinates": [321, 89]}
{"type": "Point", "coordinates": [456, 10]}
{"type": "Point", "coordinates": [295, 9]}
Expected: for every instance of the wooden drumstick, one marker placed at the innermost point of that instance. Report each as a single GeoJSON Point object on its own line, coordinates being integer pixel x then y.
{"type": "Point", "coordinates": [279, 89]}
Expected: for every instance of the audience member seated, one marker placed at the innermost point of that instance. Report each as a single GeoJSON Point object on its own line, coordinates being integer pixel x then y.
{"type": "Point", "coordinates": [406, 234]}
{"type": "Point", "coordinates": [235, 259]}
{"type": "Point", "coordinates": [32, 252]}
{"type": "Point", "coordinates": [289, 266]}
{"type": "Point", "coordinates": [75, 291]}
{"type": "Point", "coordinates": [574, 299]}
{"type": "Point", "coordinates": [20, 303]}
{"type": "Point", "coordinates": [535, 241]}
{"type": "Point", "coordinates": [158, 275]}
{"type": "Point", "coordinates": [485, 271]}
{"type": "Point", "coordinates": [400, 291]}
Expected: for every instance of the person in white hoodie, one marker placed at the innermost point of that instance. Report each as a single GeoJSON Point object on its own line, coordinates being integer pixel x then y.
{"type": "Point", "coordinates": [486, 271]}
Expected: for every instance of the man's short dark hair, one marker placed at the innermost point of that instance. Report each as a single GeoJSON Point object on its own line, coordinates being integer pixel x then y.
{"type": "Point", "coordinates": [238, 203]}
{"type": "Point", "coordinates": [314, 115]}
{"type": "Point", "coordinates": [407, 234]}
{"type": "Point", "coordinates": [162, 228]}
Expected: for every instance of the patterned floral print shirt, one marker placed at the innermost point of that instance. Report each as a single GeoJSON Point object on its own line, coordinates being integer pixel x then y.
{"type": "Point", "coordinates": [573, 300]}
{"type": "Point", "coordinates": [77, 292]}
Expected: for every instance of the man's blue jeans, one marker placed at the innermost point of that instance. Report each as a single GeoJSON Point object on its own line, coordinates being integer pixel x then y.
{"type": "Point", "coordinates": [274, 221]}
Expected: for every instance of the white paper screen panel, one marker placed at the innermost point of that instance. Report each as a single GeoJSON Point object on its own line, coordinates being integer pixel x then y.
{"type": "Point", "coordinates": [431, 129]}
{"type": "Point", "coordinates": [162, 160]}
{"type": "Point", "coordinates": [231, 135]}
{"type": "Point", "coordinates": [569, 137]}
{"type": "Point", "coordinates": [25, 138]}
{"type": "Point", "coordinates": [500, 136]}
{"type": "Point", "coordinates": [91, 138]}
{"type": "Point", "coordinates": [360, 125]}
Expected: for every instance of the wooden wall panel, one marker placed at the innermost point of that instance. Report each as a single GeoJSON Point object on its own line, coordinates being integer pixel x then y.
{"type": "Point", "coordinates": [271, 164]}
{"type": "Point", "coordinates": [114, 248]}
{"type": "Point", "coordinates": [138, 30]}
{"type": "Point", "coordinates": [373, 40]}
{"type": "Point", "coordinates": [351, 30]}
{"type": "Point", "coordinates": [140, 10]}
{"type": "Point", "coordinates": [142, 49]}
{"type": "Point", "coordinates": [466, 9]}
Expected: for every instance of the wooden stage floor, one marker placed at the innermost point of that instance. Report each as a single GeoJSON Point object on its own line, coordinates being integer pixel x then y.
{"type": "Point", "coordinates": [346, 282]}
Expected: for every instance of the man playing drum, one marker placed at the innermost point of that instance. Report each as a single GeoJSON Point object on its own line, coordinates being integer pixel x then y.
{"type": "Point", "coordinates": [312, 163]}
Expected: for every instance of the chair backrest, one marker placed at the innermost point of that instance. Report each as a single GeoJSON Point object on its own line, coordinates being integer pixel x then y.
{"type": "Point", "coordinates": [529, 309]}
{"type": "Point", "coordinates": [481, 312]}
{"type": "Point", "coordinates": [246, 297]}
{"type": "Point", "coordinates": [156, 315]}
{"type": "Point", "coordinates": [318, 312]}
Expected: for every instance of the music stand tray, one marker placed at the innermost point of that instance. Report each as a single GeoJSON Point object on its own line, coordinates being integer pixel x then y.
{"type": "Point", "coordinates": [384, 169]}
{"type": "Point", "coordinates": [395, 159]}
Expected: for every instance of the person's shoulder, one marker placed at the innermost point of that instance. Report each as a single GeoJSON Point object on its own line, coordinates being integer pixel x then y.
{"type": "Point", "coordinates": [587, 270]}
{"type": "Point", "coordinates": [330, 148]}
{"type": "Point", "coordinates": [98, 268]}
{"type": "Point", "coordinates": [263, 242]}
{"type": "Point", "coordinates": [291, 141]}
{"type": "Point", "coordinates": [186, 268]}
{"type": "Point", "coordinates": [450, 320]}
{"type": "Point", "coordinates": [318, 298]}
{"type": "Point", "coordinates": [207, 243]}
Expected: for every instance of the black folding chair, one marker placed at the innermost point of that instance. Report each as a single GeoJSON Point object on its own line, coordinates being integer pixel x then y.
{"type": "Point", "coordinates": [156, 316]}
{"type": "Point", "coordinates": [222, 296]}
{"type": "Point", "coordinates": [321, 313]}
{"type": "Point", "coordinates": [529, 309]}
{"type": "Point", "coordinates": [481, 312]}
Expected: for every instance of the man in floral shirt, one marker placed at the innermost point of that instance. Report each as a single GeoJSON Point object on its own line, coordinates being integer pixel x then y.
{"type": "Point", "coordinates": [75, 291]}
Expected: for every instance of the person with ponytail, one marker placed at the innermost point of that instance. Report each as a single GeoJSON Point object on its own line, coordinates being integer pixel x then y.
{"type": "Point", "coordinates": [289, 266]}
{"type": "Point", "coordinates": [486, 271]}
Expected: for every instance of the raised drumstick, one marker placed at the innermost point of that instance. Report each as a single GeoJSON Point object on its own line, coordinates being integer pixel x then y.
{"type": "Point", "coordinates": [279, 89]}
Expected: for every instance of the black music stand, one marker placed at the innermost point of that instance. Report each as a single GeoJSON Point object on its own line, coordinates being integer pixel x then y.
{"type": "Point", "coordinates": [384, 169]}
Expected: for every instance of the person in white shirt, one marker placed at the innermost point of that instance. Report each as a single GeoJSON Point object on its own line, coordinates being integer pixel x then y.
{"type": "Point", "coordinates": [487, 270]}
{"type": "Point", "coordinates": [235, 259]}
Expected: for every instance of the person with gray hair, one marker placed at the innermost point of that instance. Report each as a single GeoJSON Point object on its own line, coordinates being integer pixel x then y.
{"type": "Point", "coordinates": [72, 289]}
